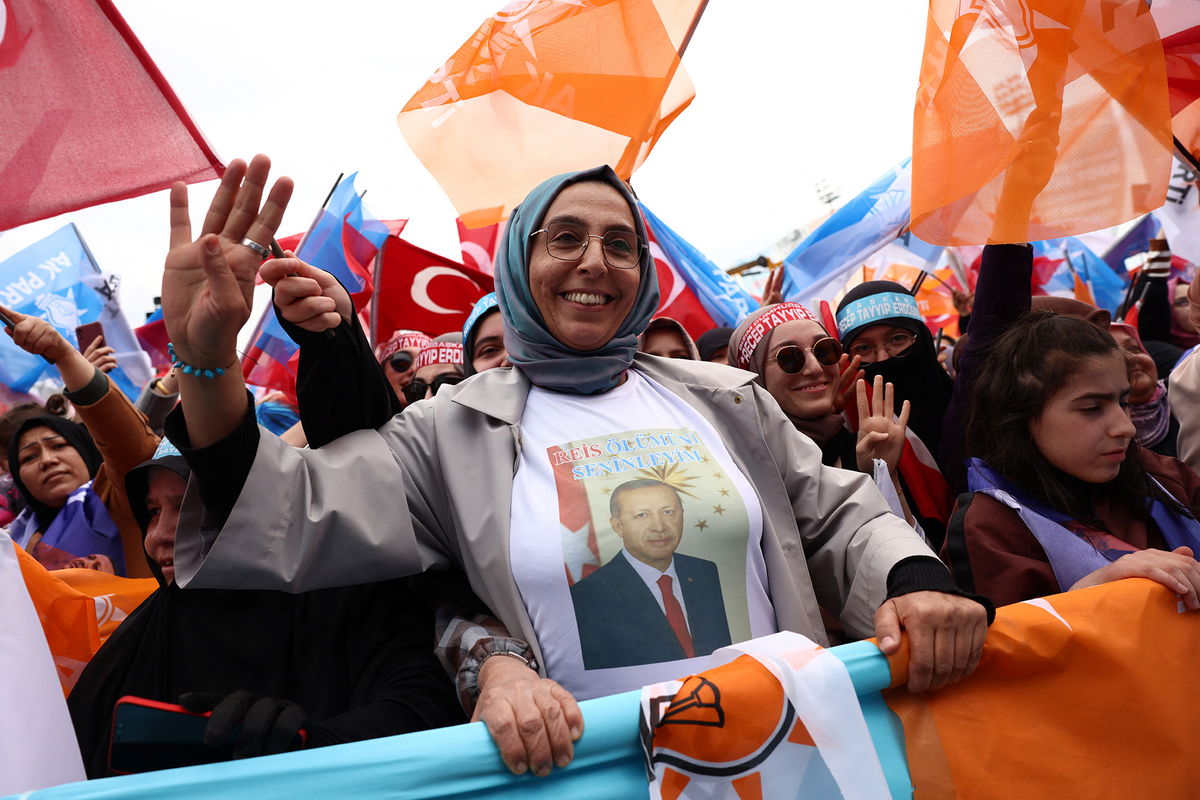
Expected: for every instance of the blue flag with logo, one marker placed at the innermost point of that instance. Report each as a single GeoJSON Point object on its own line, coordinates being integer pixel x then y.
{"type": "Point", "coordinates": [58, 280]}
{"type": "Point", "coordinates": [819, 265]}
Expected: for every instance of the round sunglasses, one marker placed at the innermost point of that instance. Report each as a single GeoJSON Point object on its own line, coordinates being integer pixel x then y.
{"type": "Point", "coordinates": [791, 357]}
{"type": "Point", "coordinates": [400, 361]}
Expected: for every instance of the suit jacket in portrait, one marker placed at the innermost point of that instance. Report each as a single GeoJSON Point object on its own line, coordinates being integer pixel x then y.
{"type": "Point", "coordinates": [621, 623]}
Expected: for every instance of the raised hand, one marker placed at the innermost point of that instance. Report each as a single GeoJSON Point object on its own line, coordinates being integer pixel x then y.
{"type": "Point", "coordinates": [208, 283]}
{"type": "Point", "coordinates": [773, 288]}
{"type": "Point", "coordinates": [880, 434]}
{"type": "Point", "coordinates": [849, 372]}
{"type": "Point", "coordinates": [101, 356]}
{"type": "Point", "coordinates": [306, 296]}
{"type": "Point", "coordinates": [38, 337]}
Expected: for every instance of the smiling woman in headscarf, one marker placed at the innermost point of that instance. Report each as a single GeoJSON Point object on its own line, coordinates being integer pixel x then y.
{"type": "Point", "coordinates": [672, 496]}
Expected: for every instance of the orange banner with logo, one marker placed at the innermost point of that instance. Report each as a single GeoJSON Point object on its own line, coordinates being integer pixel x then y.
{"type": "Point", "coordinates": [1091, 693]}
{"type": "Point", "coordinates": [79, 609]}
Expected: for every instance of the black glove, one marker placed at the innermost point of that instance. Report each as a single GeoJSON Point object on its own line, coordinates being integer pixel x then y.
{"type": "Point", "coordinates": [252, 724]}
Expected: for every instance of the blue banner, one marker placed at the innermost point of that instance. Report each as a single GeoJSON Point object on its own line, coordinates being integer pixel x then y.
{"type": "Point", "coordinates": [722, 297]}
{"type": "Point", "coordinates": [461, 761]}
{"type": "Point", "coordinates": [58, 280]}
{"type": "Point", "coordinates": [1136, 240]}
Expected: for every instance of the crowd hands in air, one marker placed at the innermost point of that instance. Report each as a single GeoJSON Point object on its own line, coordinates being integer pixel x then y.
{"type": "Point", "coordinates": [846, 440]}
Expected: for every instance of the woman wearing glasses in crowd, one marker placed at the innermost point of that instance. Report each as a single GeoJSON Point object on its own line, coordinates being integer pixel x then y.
{"type": "Point", "coordinates": [398, 357]}
{"type": "Point", "coordinates": [879, 323]}
{"type": "Point", "coordinates": [809, 375]}
{"type": "Point", "coordinates": [512, 474]}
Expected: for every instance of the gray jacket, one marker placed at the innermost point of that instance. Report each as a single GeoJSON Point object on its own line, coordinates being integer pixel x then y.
{"type": "Point", "coordinates": [434, 486]}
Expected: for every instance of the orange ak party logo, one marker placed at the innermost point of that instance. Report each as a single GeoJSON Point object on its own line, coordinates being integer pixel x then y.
{"type": "Point", "coordinates": [739, 731]}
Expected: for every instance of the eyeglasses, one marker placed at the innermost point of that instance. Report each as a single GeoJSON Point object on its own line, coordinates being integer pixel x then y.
{"type": "Point", "coordinates": [791, 357]}
{"type": "Point", "coordinates": [400, 361]}
{"type": "Point", "coordinates": [416, 389]}
{"type": "Point", "coordinates": [567, 241]}
{"type": "Point", "coordinates": [896, 344]}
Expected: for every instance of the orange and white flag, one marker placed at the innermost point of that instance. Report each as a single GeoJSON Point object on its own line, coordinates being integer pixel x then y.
{"type": "Point", "coordinates": [550, 86]}
{"type": "Point", "coordinates": [79, 609]}
{"type": "Point", "coordinates": [1090, 693]}
{"type": "Point", "coordinates": [1038, 119]}
{"type": "Point", "coordinates": [37, 742]}
{"type": "Point", "coordinates": [780, 720]}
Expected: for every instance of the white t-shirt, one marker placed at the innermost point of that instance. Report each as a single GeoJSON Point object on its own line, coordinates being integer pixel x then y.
{"type": "Point", "coordinates": [589, 566]}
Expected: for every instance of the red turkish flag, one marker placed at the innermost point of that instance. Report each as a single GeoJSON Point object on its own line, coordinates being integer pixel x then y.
{"type": "Point", "coordinates": [85, 115]}
{"type": "Point", "coordinates": [676, 299]}
{"type": "Point", "coordinates": [417, 289]}
{"type": "Point", "coordinates": [479, 245]}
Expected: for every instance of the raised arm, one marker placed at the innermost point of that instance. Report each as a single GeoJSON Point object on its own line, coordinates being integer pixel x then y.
{"type": "Point", "coordinates": [340, 385]}
{"type": "Point", "coordinates": [207, 291]}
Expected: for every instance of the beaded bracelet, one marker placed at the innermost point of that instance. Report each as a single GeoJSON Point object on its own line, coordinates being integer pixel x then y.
{"type": "Point", "coordinates": [188, 369]}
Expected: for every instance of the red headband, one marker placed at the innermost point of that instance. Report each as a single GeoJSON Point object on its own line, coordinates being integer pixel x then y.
{"type": "Point", "coordinates": [440, 353]}
{"type": "Point", "coordinates": [773, 317]}
{"type": "Point", "coordinates": [402, 340]}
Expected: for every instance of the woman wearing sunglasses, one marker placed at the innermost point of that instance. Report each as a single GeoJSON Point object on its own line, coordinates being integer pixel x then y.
{"type": "Point", "coordinates": [583, 463]}
{"type": "Point", "coordinates": [438, 364]}
{"type": "Point", "coordinates": [398, 356]}
{"type": "Point", "coordinates": [809, 375]}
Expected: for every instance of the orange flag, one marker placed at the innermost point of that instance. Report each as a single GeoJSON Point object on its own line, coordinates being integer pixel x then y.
{"type": "Point", "coordinates": [1090, 693]}
{"type": "Point", "coordinates": [1038, 119]}
{"type": "Point", "coordinates": [550, 86]}
{"type": "Point", "coordinates": [79, 609]}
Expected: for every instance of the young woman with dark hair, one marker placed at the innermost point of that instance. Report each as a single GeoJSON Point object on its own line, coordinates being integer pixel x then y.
{"type": "Point", "coordinates": [1063, 497]}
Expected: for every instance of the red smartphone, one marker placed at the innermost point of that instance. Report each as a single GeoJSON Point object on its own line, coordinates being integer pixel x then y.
{"type": "Point", "coordinates": [149, 735]}
{"type": "Point", "coordinates": [86, 334]}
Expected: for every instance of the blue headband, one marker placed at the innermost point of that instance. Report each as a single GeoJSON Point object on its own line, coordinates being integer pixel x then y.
{"type": "Point", "coordinates": [876, 308]}
{"type": "Point", "coordinates": [482, 306]}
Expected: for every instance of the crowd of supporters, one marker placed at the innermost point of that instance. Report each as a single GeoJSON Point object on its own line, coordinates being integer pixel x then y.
{"type": "Point", "coordinates": [570, 497]}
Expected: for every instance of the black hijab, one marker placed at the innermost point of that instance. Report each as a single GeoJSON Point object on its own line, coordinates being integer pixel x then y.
{"type": "Point", "coordinates": [76, 435]}
{"type": "Point", "coordinates": [359, 660]}
{"type": "Point", "coordinates": [917, 375]}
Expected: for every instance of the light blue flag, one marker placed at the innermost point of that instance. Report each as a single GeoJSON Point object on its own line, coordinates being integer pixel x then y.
{"type": "Point", "coordinates": [1107, 287]}
{"type": "Point", "coordinates": [722, 297]}
{"type": "Point", "coordinates": [58, 280]}
{"type": "Point", "coordinates": [821, 263]}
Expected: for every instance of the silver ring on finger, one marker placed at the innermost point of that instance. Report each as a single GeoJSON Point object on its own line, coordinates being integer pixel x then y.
{"type": "Point", "coordinates": [263, 252]}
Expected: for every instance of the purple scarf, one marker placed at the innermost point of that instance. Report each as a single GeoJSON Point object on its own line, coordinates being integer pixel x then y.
{"type": "Point", "coordinates": [1152, 418]}
{"type": "Point", "coordinates": [82, 527]}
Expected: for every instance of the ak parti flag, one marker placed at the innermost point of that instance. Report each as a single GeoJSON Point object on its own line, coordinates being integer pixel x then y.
{"type": "Point", "coordinates": [550, 86]}
{"type": "Point", "coordinates": [417, 289]}
{"type": "Point", "coordinates": [85, 115]}
{"type": "Point", "coordinates": [1038, 119]}
{"type": "Point", "coordinates": [1091, 693]}
{"type": "Point", "coordinates": [79, 609]}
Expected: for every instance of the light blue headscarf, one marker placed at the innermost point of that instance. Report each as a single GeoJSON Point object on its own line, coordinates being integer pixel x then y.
{"type": "Point", "coordinates": [544, 360]}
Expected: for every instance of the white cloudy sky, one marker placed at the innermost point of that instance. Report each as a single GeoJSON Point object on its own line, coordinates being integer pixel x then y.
{"type": "Point", "coordinates": [788, 93]}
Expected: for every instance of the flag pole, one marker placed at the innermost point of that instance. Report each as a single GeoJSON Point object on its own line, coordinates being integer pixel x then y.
{"type": "Point", "coordinates": [625, 164]}
{"type": "Point", "coordinates": [1186, 154]}
{"type": "Point", "coordinates": [320, 211]}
